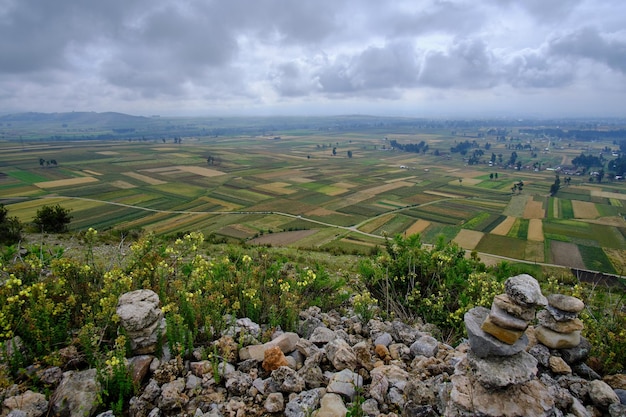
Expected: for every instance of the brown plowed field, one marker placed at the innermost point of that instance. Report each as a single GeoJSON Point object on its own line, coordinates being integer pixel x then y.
{"type": "Point", "coordinates": [566, 254]}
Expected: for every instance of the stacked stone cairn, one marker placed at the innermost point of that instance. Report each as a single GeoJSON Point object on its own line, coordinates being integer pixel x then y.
{"type": "Point", "coordinates": [497, 371]}
{"type": "Point", "coordinates": [559, 326]}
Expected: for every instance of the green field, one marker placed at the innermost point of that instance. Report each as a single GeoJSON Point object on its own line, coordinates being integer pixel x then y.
{"type": "Point", "coordinates": [240, 179]}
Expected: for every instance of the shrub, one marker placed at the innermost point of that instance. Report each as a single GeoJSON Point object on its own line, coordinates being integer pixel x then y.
{"type": "Point", "coordinates": [52, 219]}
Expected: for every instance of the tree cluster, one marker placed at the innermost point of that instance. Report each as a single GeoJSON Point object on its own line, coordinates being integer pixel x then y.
{"type": "Point", "coordinates": [587, 161]}
{"type": "Point", "coordinates": [421, 147]}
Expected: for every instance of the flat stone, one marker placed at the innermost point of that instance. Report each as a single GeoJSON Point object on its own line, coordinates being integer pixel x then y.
{"type": "Point", "coordinates": [617, 381]}
{"type": "Point", "coordinates": [32, 404]}
{"type": "Point", "coordinates": [425, 346]}
{"type": "Point", "coordinates": [139, 367]}
{"type": "Point", "coordinates": [483, 344]}
{"type": "Point", "coordinates": [498, 372]}
{"type": "Point", "coordinates": [560, 315]}
{"type": "Point", "coordinates": [285, 341]}
{"type": "Point", "coordinates": [568, 326]}
{"type": "Point", "coordinates": [322, 335]}
{"type": "Point", "coordinates": [522, 312]}
{"type": "Point", "coordinates": [502, 318]}
{"type": "Point", "coordinates": [555, 340]}
{"type": "Point", "coordinates": [384, 339]}
{"type": "Point", "coordinates": [331, 405]}
{"type": "Point", "coordinates": [507, 336]}
{"type": "Point", "coordinates": [559, 366]}
{"type": "Point", "coordinates": [566, 303]}
{"type": "Point", "coordinates": [524, 289]}
{"type": "Point", "coordinates": [577, 354]}
{"type": "Point", "coordinates": [345, 383]}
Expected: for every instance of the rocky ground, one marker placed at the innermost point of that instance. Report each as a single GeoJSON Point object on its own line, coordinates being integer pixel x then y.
{"type": "Point", "coordinates": [336, 365]}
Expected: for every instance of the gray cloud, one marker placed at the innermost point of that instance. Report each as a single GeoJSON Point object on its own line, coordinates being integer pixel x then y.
{"type": "Point", "coordinates": [205, 54]}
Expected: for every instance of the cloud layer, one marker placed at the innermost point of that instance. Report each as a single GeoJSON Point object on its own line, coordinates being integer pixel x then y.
{"type": "Point", "coordinates": [420, 58]}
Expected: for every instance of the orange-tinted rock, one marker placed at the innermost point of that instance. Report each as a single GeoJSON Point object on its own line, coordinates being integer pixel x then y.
{"type": "Point", "coordinates": [274, 359]}
{"type": "Point", "coordinates": [504, 335]}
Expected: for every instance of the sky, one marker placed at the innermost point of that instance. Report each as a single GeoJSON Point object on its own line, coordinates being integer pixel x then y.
{"type": "Point", "coordinates": [417, 58]}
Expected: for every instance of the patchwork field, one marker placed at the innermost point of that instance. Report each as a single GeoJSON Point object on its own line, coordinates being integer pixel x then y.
{"type": "Point", "coordinates": [294, 191]}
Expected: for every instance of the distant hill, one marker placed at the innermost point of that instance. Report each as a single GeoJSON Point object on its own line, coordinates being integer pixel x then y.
{"type": "Point", "coordinates": [80, 118]}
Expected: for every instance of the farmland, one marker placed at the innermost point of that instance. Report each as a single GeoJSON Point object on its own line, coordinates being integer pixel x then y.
{"type": "Point", "coordinates": [292, 182]}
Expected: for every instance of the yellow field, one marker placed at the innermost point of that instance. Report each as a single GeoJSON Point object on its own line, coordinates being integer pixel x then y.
{"type": "Point", "coordinates": [607, 194]}
{"type": "Point", "coordinates": [534, 209]}
{"type": "Point", "coordinates": [369, 193]}
{"type": "Point", "coordinates": [108, 153]}
{"type": "Point", "coordinates": [584, 210]}
{"type": "Point", "coordinates": [503, 228]}
{"type": "Point", "coordinates": [144, 178]}
{"type": "Point", "coordinates": [320, 211]}
{"type": "Point", "coordinates": [418, 227]}
{"type": "Point", "coordinates": [535, 230]}
{"type": "Point", "coordinates": [65, 183]}
{"type": "Point", "coordinates": [468, 239]}
{"type": "Point", "coordinates": [277, 188]}
{"type": "Point", "coordinates": [205, 172]}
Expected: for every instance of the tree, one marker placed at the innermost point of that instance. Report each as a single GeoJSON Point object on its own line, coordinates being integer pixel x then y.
{"type": "Point", "coordinates": [491, 176]}
{"type": "Point", "coordinates": [41, 161]}
{"type": "Point", "coordinates": [349, 154]}
{"type": "Point", "coordinates": [554, 188]}
{"type": "Point", "coordinates": [10, 227]}
{"type": "Point", "coordinates": [334, 151]}
{"type": "Point", "coordinates": [54, 219]}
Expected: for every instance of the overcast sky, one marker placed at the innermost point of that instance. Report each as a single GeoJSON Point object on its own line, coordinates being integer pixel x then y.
{"type": "Point", "coordinates": [421, 58]}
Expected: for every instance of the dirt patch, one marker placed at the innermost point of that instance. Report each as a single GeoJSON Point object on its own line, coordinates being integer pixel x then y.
{"type": "Point", "coordinates": [90, 172]}
{"type": "Point", "coordinates": [616, 221]}
{"type": "Point", "coordinates": [584, 210]}
{"type": "Point", "coordinates": [122, 184]}
{"type": "Point", "coordinates": [65, 183]}
{"type": "Point", "coordinates": [442, 194]}
{"type": "Point", "coordinates": [535, 230]}
{"type": "Point", "coordinates": [566, 254]}
{"type": "Point", "coordinates": [320, 211]}
{"type": "Point", "coordinates": [144, 178]}
{"type": "Point", "coordinates": [503, 228]}
{"type": "Point", "coordinates": [468, 239]}
{"type": "Point", "coordinates": [282, 238]}
{"type": "Point", "coordinates": [534, 210]}
{"type": "Point", "coordinates": [418, 227]}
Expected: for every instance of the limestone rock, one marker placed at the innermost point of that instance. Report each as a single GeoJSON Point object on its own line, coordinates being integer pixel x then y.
{"type": "Point", "coordinates": [286, 342]}
{"type": "Point", "coordinates": [274, 403]}
{"type": "Point", "coordinates": [238, 383]}
{"type": "Point", "coordinates": [172, 395]}
{"type": "Point", "coordinates": [77, 394]}
{"type": "Point", "coordinates": [568, 326]}
{"type": "Point", "coordinates": [483, 344]}
{"type": "Point", "coordinates": [578, 353]}
{"type": "Point", "coordinates": [345, 383]}
{"type": "Point", "coordinates": [559, 366]}
{"type": "Point", "coordinates": [384, 339]}
{"type": "Point", "coordinates": [560, 315]}
{"type": "Point", "coordinates": [525, 313]}
{"type": "Point", "coordinates": [524, 289]}
{"type": "Point", "coordinates": [340, 354]}
{"type": "Point", "coordinates": [139, 367]}
{"type": "Point", "coordinates": [555, 340]}
{"type": "Point", "coordinates": [288, 380]}
{"type": "Point", "coordinates": [425, 346]}
{"type": "Point", "coordinates": [274, 359]}
{"type": "Point", "coordinates": [331, 405]}
{"type": "Point", "coordinates": [470, 398]}
{"type": "Point", "coordinates": [142, 319]}
{"type": "Point", "coordinates": [32, 404]}
{"type": "Point", "coordinates": [617, 381]}
{"type": "Point", "coordinates": [602, 394]}
{"type": "Point", "coordinates": [322, 335]}
{"type": "Point", "coordinates": [566, 303]}
{"type": "Point", "coordinates": [302, 404]}
{"type": "Point", "coordinates": [501, 371]}
{"type": "Point", "coordinates": [504, 335]}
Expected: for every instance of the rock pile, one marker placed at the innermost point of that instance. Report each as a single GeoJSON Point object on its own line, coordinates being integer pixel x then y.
{"type": "Point", "coordinates": [559, 326]}
{"type": "Point", "coordinates": [142, 320]}
{"type": "Point", "coordinates": [335, 364]}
